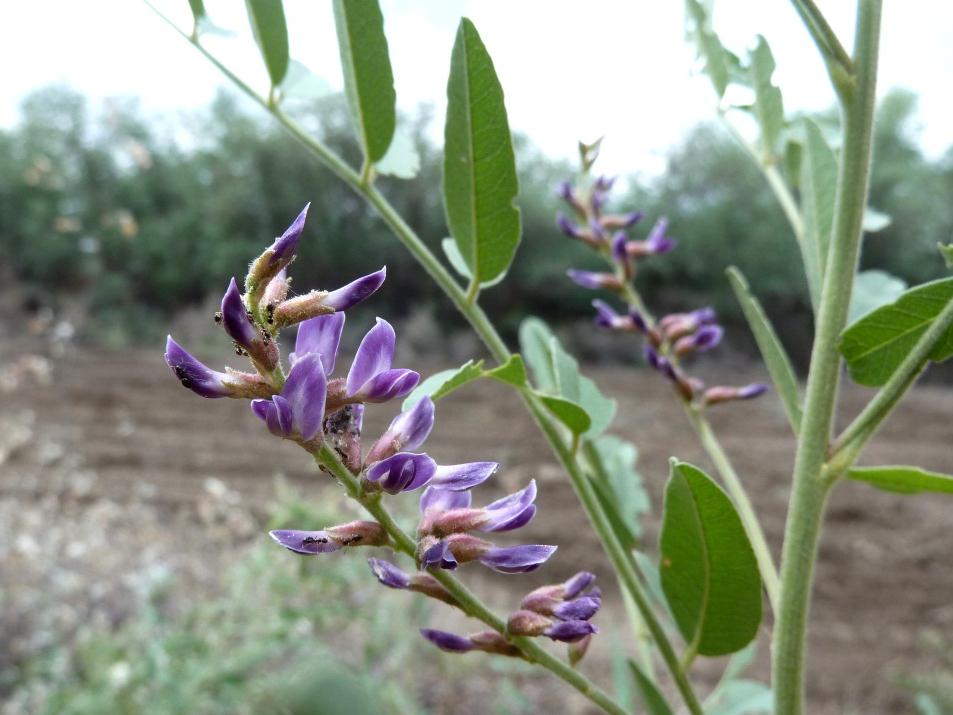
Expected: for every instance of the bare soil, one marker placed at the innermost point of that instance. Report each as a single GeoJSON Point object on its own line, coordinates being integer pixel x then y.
{"type": "Point", "coordinates": [112, 434]}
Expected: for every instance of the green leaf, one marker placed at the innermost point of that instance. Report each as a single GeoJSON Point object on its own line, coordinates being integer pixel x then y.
{"type": "Point", "coordinates": [368, 79]}
{"type": "Point", "coordinates": [573, 385]}
{"type": "Point", "coordinates": [768, 105]}
{"type": "Point", "coordinates": [459, 264]}
{"type": "Point", "coordinates": [709, 571]}
{"type": "Point", "coordinates": [875, 220]}
{"type": "Point", "coordinates": [267, 18]}
{"type": "Point", "coordinates": [479, 169]}
{"type": "Point", "coordinates": [710, 48]}
{"type": "Point", "coordinates": [876, 344]}
{"type": "Point", "coordinates": [512, 372]}
{"type": "Point", "coordinates": [442, 383]}
{"type": "Point", "coordinates": [873, 289]}
{"type": "Point", "coordinates": [535, 337]}
{"type": "Point", "coordinates": [567, 412]}
{"type": "Point", "coordinates": [402, 159]}
{"type": "Point", "coordinates": [652, 699]}
{"type": "Point", "coordinates": [772, 351]}
{"type": "Point", "coordinates": [903, 480]}
{"type": "Point", "coordinates": [818, 185]}
{"type": "Point", "coordinates": [947, 252]}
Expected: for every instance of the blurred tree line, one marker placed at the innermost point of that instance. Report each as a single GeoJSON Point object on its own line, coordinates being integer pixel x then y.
{"type": "Point", "coordinates": [127, 221]}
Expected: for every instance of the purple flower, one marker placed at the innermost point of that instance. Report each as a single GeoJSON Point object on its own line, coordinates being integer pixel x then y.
{"type": "Point", "coordinates": [320, 336]}
{"type": "Point", "coordinates": [388, 574]}
{"type": "Point", "coordinates": [371, 378]}
{"type": "Point", "coordinates": [593, 280]}
{"type": "Point", "coordinates": [277, 256]}
{"type": "Point", "coordinates": [240, 328]}
{"type": "Point", "coordinates": [516, 559]}
{"type": "Point", "coordinates": [445, 513]}
{"type": "Point", "coordinates": [449, 642]}
{"type": "Point", "coordinates": [657, 241]}
{"type": "Point", "coordinates": [705, 338]}
{"type": "Point", "coordinates": [570, 600]}
{"type": "Point", "coordinates": [318, 302]}
{"type": "Point", "coordinates": [564, 190]}
{"type": "Point", "coordinates": [606, 317]}
{"type": "Point", "coordinates": [621, 220]}
{"type": "Point", "coordinates": [402, 472]}
{"type": "Point", "coordinates": [194, 374]}
{"type": "Point", "coordinates": [567, 226]}
{"type": "Point", "coordinates": [407, 431]}
{"type": "Point", "coordinates": [305, 542]}
{"type": "Point", "coordinates": [575, 585]}
{"type": "Point", "coordinates": [678, 325]}
{"type": "Point", "coordinates": [570, 631]}
{"type": "Point", "coordinates": [284, 248]}
{"type": "Point", "coordinates": [356, 291]}
{"type": "Point", "coordinates": [459, 477]}
{"type": "Point", "coordinates": [582, 608]}
{"type": "Point", "coordinates": [298, 412]}
{"type": "Point", "coordinates": [720, 393]}
{"type": "Point", "coordinates": [439, 555]}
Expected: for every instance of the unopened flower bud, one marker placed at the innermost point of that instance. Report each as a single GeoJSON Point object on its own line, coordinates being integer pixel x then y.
{"type": "Point", "coordinates": [565, 192]}
{"type": "Point", "coordinates": [204, 381]}
{"type": "Point", "coordinates": [628, 220]}
{"type": "Point", "coordinates": [248, 337]}
{"type": "Point", "coordinates": [527, 623]}
{"type": "Point", "coordinates": [705, 338]}
{"type": "Point", "coordinates": [594, 280]}
{"type": "Point", "coordinates": [276, 257]}
{"type": "Point", "coordinates": [570, 631]}
{"type": "Point", "coordinates": [275, 292]}
{"type": "Point", "coordinates": [493, 642]}
{"type": "Point", "coordinates": [718, 394]}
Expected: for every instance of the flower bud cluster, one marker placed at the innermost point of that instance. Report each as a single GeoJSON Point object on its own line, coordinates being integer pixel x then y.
{"type": "Point", "coordinates": [675, 336]}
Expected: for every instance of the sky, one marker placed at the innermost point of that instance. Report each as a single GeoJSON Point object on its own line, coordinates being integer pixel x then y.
{"type": "Point", "coordinates": [570, 70]}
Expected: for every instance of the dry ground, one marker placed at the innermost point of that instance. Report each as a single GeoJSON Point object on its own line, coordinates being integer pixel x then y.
{"type": "Point", "coordinates": [111, 439]}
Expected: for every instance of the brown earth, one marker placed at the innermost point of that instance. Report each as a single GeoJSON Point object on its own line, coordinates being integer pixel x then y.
{"type": "Point", "coordinates": [114, 429]}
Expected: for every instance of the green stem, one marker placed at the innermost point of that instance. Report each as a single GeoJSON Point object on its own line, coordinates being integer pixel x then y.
{"type": "Point", "coordinates": [824, 37]}
{"type": "Point", "coordinates": [859, 432]}
{"type": "Point", "coordinates": [810, 487]}
{"type": "Point", "coordinates": [739, 495]}
{"type": "Point", "coordinates": [497, 348]}
{"type": "Point", "coordinates": [467, 601]}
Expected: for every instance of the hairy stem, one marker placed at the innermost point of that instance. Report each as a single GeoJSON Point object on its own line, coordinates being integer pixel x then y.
{"type": "Point", "coordinates": [810, 487]}
{"type": "Point", "coordinates": [468, 602]}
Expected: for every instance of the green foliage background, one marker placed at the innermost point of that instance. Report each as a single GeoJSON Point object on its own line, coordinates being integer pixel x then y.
{"type": "Point", "coordinates": [129, 219]}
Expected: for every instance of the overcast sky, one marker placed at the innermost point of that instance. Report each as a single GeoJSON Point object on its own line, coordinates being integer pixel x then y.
{"type": "Point", "coordinates": [570, 70]}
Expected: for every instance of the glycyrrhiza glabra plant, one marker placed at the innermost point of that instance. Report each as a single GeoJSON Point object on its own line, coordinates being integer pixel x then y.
{"type": "Point", "coordinates": [715, 561]}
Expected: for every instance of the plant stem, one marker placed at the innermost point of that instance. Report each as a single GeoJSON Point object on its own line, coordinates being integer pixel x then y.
{"type": "Point", "coordinates": [859, 432]}
{"type": "Point", "coordinates": [824, 37]}
{"type": "Point", "coordinates": [497, 348]}
{"type": "Point", "coordinates": [729, 476]}
{"type": "Point", "coordinates": [465, 599]}
{"type": "Point", "coordinates": [810, 488]}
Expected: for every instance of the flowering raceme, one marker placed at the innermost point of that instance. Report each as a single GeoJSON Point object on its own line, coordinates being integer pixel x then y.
{"type": "Point", "coordinates": [324, 414]}
{"type": "Point", "coordinates": [671, 338]}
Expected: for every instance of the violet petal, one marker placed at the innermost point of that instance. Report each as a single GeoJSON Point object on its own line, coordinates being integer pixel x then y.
{"type": "Point", "coordinates": [388, 574]}
{"type": "Point", "coordinates": [577, 584]}
{"type": "Point", "coordinates": [193, 373]}
{"type": "Point", "coordinates": [321, 336]}
{"type": "Point", "coordinates": [402, 472]}
{"type": "Point", "coordinates": [374, 355]}
{"type": "Point", "coordinates": [387, 385]}
{"type": "Point", "coordinates": [356, 291]}
{"type": "Point", "coordinates": [284, 247]}
{"type": "Point", "coordinates": [450, 642]}
{"type": "Point", "coordinates": [512, 511]}
{"type": "Point", "coordinates": [438, 500]}
{"type": "Point", "coordinates": [516, 559]}
{"type": "Point", "coordinates": [570, 631]}
{"type": "Point", "coordinates": [458, 477]}
{"type": "Point", "coordinates": [412, 427]}
{"type": "Point", "coordinates": [305, 542]}
{"type": "Point", "coordinates": [235, 317]}
{"type": "Point", "coordinates": [579, 609]}
{"type": "Point", "coordinates": [306, 390]}
{"type": "Point", "coordinates": [439, 555]}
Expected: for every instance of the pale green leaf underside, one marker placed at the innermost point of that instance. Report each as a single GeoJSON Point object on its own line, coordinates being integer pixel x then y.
{"type": "Point", "coordinates": [768, 105]}
{"type": "Point", "coordinates": [652, 699]}
{"type": "Point", "coordinates": [267, 19]}
{"type": "Point", "coordinates": [818, 182]}
{"type": "Point", "coordinates": [368, 78]}
{"type": "Point", "coordinates": [479, 170]}
{"type": "Point", "coordinates": [772, 351]}
{"type": "Point", "coordinates": [903, 480]}
{"type": "Point", "coordinates": [708, 568]}
{"type": "Point", "coordinates": [459, 264]}
{"type": "Point", "coordinates": [402, 159]}
{"type": "Point", "coordinates": [876, 344]}
{"type": "Point", "coordinates": [873, 289]}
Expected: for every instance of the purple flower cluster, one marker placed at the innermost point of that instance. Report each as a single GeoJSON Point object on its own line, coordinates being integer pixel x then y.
{"type": "Point", "coordinates": [675, 336]}
{"type": "Point", "coordinates": [561, 612]}
{"type": "Point", "coordinates": [312, 407]}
